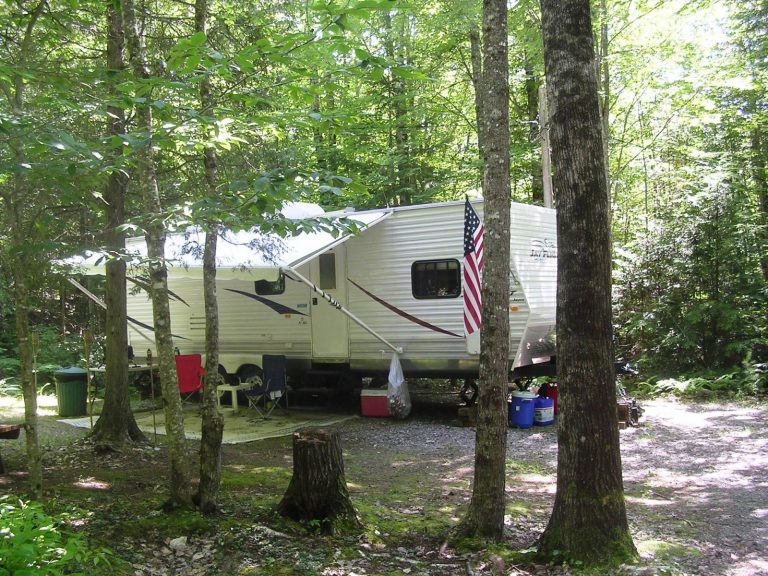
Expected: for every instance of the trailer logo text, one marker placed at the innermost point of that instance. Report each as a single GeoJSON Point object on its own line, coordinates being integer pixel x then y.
{"type": "Point", "coordinates": [543, 249]}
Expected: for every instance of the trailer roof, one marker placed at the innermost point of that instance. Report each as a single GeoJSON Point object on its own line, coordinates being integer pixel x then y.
{"type": "Point", "coordinates": [239, 255]}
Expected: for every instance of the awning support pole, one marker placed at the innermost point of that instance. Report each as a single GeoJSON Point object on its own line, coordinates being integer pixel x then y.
{"type": "Point", "coordinates": [101, 303]}
{"type": "Point", "coordinates": [333, 302]}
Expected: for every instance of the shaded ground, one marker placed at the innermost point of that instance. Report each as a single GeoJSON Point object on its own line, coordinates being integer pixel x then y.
{"type": "Point", "coordinates": [694, 476]}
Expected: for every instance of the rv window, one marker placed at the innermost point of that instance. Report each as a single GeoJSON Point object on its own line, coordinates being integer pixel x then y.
{"type": "Point", "coordinates": [436, 279]}
{"type": "Point", "coordinates": [327, 264]}
{"type": "Point", "coordinates": [269, 288]}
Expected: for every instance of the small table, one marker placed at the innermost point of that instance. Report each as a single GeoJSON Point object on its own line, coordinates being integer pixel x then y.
{"type": "Point", "coordinates": [131, 368]}
{"type": "Point", "coordinates": [233, 389]}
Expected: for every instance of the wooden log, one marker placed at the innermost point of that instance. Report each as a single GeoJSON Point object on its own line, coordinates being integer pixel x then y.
{"type": "Point", "coordinates": [318, 488]}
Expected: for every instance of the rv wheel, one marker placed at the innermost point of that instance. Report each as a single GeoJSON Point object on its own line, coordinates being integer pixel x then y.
{"type": "Point", "coordinates": [251, 374]}
{"type": "Point", "coordinates": [468, 392]}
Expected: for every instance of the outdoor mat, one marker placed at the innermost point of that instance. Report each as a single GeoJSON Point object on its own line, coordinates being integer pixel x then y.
{"type": "Point", "coordinates": [245, 426]}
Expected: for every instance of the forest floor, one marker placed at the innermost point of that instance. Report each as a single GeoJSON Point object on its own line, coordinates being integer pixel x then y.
{"type": "Point", "coordinates": [694, 475]}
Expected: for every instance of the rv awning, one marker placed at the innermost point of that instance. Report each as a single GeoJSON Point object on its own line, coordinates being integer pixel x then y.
{"type": "Point", "coordinates": [243, 255]}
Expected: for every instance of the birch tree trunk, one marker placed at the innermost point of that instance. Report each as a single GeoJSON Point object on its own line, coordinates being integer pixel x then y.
{"type": "Point", "coordinates": [180, 488]}
{"type": "Point", "coordinates": [16, 199]}
{"type": "Point", "coordinates": [116, 423]}
{"type": "Point", "coordinates": [589, 521]}
{"type": "Point", "coordinates": [213, 423]}
{"type": "Point", "coordinates": [485, 516]}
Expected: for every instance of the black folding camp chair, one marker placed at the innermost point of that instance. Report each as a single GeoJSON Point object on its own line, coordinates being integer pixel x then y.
{"type": "Point", "coordinates": [272, 391]}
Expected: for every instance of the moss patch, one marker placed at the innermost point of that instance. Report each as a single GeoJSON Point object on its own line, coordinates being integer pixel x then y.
{"type": "Point", "coordinates": [665, 551]}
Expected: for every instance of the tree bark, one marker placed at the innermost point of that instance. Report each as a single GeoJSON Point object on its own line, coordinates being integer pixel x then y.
{"type": "Point", "coordinates": [475, 47]}
{"type": "Point", "coordinates": [485, 516]}
{"type": "Point", "coordinates": [213, 423]}
{"type": "Point", "coordinates": [758, 151]}
{"type": "Point", "coordinates": [536, 123]}
{"type": "Point", "coordinates": [180, 488]}
{"type": "Point", "coordinates": [116, 424]}
{"type": "Point", "coordinates": [589, 521]}
{"type": "Point", "coordinates": [318, 488]}
{"type": "Point", "coordinates": [16, 199]}
{"type": "Point", "coordinates": [401, 112]}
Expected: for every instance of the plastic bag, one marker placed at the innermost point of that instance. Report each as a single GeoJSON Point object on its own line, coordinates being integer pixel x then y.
{"type": "Point", "coordinates": [397, 390]}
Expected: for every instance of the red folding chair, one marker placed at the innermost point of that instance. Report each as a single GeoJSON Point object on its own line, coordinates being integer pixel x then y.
{"type": "Point", "coordinates": [190, 371]}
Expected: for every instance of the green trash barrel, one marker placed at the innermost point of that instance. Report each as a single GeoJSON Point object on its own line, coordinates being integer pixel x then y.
{"type": "Point", "coordinates": [72, 391]}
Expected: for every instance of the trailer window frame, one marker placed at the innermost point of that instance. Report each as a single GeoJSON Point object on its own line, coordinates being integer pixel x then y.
{"type": "Point", "coordinates": [436, 279]}
{"type": "Point", "coordinates": [270, 287]}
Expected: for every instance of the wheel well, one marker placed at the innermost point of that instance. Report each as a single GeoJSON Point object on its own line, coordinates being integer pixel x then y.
{"type": "Point", "coordinates": [247, 371]}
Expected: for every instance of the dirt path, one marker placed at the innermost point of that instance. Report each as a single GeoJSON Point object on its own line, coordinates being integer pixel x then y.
{"type": "Point", "coordinates": [695, 476]}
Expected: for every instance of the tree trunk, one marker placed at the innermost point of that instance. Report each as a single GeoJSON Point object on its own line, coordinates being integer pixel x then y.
{"type": "Point", "coordinates": [318, 488]}
{"type": "Point", "coordinates": [485, 516]}
{"type": "Point", "coordinates": [401, 111]}
{"type": "Point", "coordinates": [16, 199]}
{"type": "Point", "coordinates": [213, 423]}
{"type": "Point", "coordinates": [180, 489]}
{"type": "Point", "coordinates": [758, 153]}
{"type": "Point", "coordinates": [536, 123]}
{"type": "Point", "coordinates": [589, 521]}
{"type": "Point", "coordinates": [116, 423]}
{"type": "Point", "coordinates": [475, 47]}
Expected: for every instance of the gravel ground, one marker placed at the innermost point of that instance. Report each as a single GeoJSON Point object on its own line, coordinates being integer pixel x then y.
{"type": "Point", "coordinates": [694, 474]}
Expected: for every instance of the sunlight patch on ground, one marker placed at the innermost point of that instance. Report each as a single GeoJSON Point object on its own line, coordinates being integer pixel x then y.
{"type": "Point", "coordinates": [93, 484]}
{"type": "Point", "coordinates": [749, 568]}
{"type": "Point", "coordinates": [760, 513]}
{"type": "Point", "coordinates": [12, 408]}
{"type": "Point", "coordinates": [650, 502]}
{"type": "Point", "coordinates": [680, 415]}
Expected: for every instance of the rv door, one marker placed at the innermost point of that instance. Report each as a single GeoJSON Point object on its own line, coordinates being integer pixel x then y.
{"type": "Point", "coordinates": [330, 327]}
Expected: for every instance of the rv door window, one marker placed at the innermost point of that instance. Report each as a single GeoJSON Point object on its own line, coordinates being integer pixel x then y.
{"type": "Point", "coordinates": [436, 279]}
{"type": "Point", "coordinates": [269, 288]}
{"type": "Point", "coordinates": [327, 278]}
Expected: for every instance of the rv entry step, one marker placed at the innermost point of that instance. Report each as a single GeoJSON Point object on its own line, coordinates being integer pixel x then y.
{"type": "Point", "coordinates": [323, 384]}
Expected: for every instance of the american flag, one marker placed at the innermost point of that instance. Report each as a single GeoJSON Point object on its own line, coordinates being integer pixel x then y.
{"type": "Point", "coordinates": [473, 264]}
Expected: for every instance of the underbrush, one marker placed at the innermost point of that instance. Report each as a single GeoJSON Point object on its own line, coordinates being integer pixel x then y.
{"type": "Point", "coordinates": [737, 383]}
{"type": "Point", "coordinates": [32, 541]}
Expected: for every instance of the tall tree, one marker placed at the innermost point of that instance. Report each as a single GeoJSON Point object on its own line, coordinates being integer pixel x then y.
{"type": "Point", "coordinates": [485, 516]}
{"type": "Point", "coordinates": [589, 520]}
{"type": "Point", "coordinates": [17, 203]}
{"type": "Point", "coordinates": [213, 423]}
{"type": "Point", "coordinates": [116, 423]}
{"type": "Point", "coordinates": [180, 491]}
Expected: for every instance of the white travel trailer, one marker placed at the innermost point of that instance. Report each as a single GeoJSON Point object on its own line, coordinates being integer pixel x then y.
{"type": "Point", "coordinates": [341, 305]}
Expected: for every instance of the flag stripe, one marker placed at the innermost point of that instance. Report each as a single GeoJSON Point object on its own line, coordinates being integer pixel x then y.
{"type": "Point", "coordinates": [473, 265]}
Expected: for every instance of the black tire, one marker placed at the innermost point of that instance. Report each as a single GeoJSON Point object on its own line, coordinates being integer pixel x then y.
{"type": "Point", "coordinates": [468, 392]}
{"type": "Point", "coordinates": [250, 372]}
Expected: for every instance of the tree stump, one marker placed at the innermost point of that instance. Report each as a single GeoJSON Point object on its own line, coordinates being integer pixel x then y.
{"type": "Point", "coordinates": [318, 488]}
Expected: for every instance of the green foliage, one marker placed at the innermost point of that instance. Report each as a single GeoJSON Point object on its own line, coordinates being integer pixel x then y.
{"type": "Point", "coordinates": [690, 294]}
{"type": "Point", "coordinates": [54, 352]}
{"type": "Point", "coordinates": [33, 542]}
{"type": "Point", "coordinates": [747, 381]}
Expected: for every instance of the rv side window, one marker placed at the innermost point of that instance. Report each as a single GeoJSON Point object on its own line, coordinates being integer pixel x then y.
{"type": "Point", "coordinates": [327, 264]}
{"type": "Point", "coordinates": [436, 279]}
{"type": "Point", "coordinates": [270, 288]}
